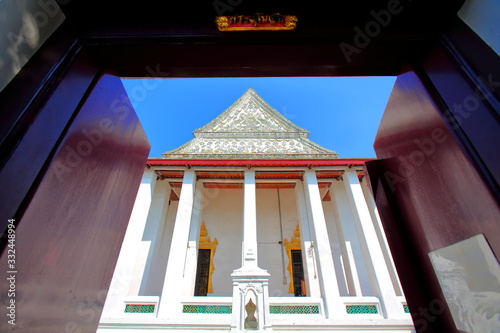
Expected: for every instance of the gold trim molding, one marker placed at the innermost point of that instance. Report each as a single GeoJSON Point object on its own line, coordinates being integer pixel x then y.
{"type": "Point", "coordinates": [257, 22]}
{"type": "Point", "coordinates": [293, 244]}
{"type": "Point", "coordinates": [206, 243]}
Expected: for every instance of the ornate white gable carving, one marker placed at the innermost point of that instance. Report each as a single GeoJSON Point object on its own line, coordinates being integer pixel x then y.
{"type": "Point", "coordinates": [250, 129]}
{"type": "Point", "coordinates": [249, 114]}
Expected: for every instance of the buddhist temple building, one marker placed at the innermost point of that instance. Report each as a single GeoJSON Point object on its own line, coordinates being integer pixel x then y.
{"type": "Point", "coordinates": [252, 226]}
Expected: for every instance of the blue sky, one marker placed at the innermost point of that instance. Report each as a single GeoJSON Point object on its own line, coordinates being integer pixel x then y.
{"type": "Point", "coordinates": [341, 113]}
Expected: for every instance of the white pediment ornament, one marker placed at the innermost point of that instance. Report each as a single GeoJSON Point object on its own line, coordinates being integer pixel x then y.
{"type": "Point", "coordinates": [250, 129]}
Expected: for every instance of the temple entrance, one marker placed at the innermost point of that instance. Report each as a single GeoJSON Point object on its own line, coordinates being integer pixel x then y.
{"type": "Point", "coordinates": [202, 272]}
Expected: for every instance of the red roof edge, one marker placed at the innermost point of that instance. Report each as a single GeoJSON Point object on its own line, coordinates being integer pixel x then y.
{"type": "Point", "coordinates": [258, 163]}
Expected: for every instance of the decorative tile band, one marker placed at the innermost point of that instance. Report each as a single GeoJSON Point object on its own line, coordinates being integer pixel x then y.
{"type": "Point", "coordinates": [139, 308]}
{"type": "Point", "coordinates": [210, 309]}
{"type": "Point", "coordinates": [294, 309]}
{"type": "Point", "coordinates": [361, 309]}
{"type": "Point", "coordinates": [406, 308]}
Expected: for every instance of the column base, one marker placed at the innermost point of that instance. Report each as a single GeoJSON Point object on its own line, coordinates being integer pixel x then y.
{"type": "Point", "coordinates": [250, 298]}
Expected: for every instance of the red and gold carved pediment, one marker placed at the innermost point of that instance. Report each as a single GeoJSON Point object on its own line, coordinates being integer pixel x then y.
{"type": "Point", "coordinates": [256, 22]}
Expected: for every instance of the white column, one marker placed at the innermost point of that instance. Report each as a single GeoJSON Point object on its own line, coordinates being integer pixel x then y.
{"type": "Point", "coordinates": [310, 267]}
{"type": "Point", "coordinates": [250, 281]}
{"type": "Point", "coordinates": [249, 220]}
{"type": "Point", "coordinates": [337, 245]}
{"type": "Point", "coordinates": [189, 276]}
{"type": "Point", "coordinates": [127, 258]}
{"type": "Point", "coordinates": [334, 306]}
{"type": "Point", "coordinates": [170, 305]}
{"type": "Point", "coordinates": [379, 229]}
{"type": "Point", "coordinates": [151, 239]}
{"type": "Point", "coordinates": [347, 232]}
{"type": "Point", "coordinates": [374, 258]}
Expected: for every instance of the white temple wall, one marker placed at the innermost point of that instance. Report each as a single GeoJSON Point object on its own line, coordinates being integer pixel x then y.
{"type": "Point", "coordinates": [223, 217]}
{"type": "Point", "coordinates": [271, 254]}
{"type": "Point", "coordinates": [222, 213]}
